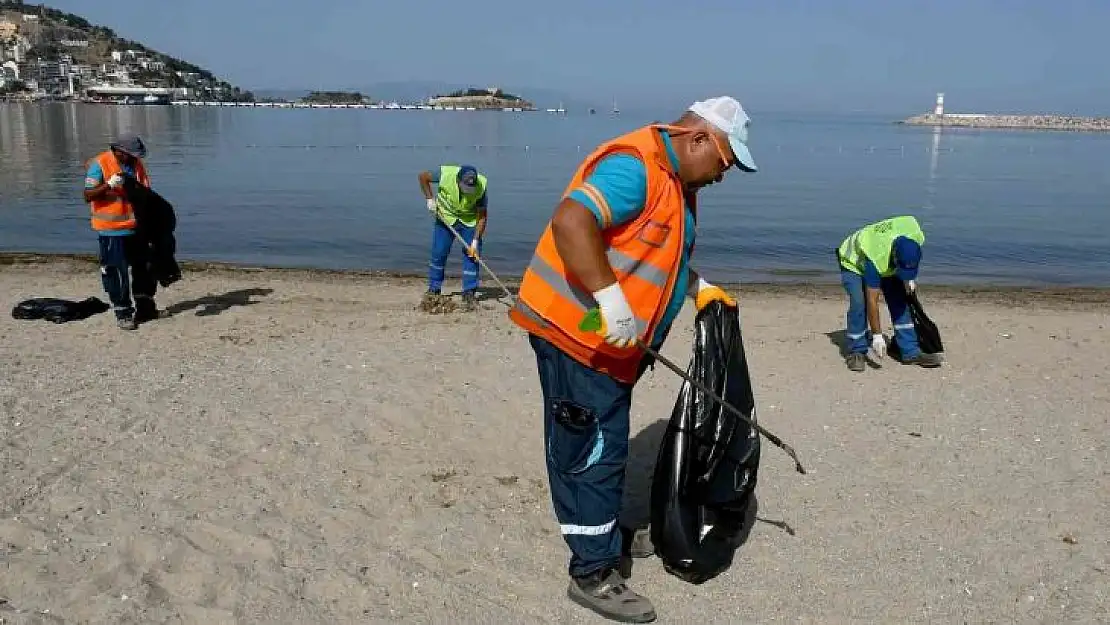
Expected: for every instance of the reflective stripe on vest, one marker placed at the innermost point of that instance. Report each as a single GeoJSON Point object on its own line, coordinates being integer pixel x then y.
{"type": "Point", "coordinates": [621, 264]}
{"type": "Point", "coordinates": [644, 254]}
{"type": "Point", "coordinates": [114, 213]}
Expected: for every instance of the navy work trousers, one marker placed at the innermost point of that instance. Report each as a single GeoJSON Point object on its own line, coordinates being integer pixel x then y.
{"type": "Point", "coordinates": [586, 427]}
{"type": "Point", "coordinates": [118, 253]}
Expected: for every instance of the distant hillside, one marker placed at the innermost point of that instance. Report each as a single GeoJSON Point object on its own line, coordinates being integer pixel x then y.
{"type": "Point", "coordinates": [52, 45]}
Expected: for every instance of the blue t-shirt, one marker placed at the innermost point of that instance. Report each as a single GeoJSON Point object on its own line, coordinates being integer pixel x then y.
{"type": "Point", "coordinates": [94, 178]}
{"type": "Point", "coordinates": [622, 181]}
{"type": "Point", "coordinates": [482, 201]}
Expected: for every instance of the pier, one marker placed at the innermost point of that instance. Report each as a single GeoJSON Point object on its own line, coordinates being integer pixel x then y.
{"type": "Point", "coordinates": [1023, 122]}
{"type": "Point", "coordinates": [1019, 122]}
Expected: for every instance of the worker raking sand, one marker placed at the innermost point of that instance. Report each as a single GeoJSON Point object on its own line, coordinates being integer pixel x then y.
{"type": "Point", "coordinates": [459, 206]}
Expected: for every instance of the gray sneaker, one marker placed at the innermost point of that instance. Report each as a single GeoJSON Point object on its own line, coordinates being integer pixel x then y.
{"type": "Point", "coordinates": [857, 362]}
{"type": "Point", "coordinates": [925, 360]}
{"type": "Point", "coordinates": [606, 593]}
{"type": "Point", "coordinates": [126, 323]}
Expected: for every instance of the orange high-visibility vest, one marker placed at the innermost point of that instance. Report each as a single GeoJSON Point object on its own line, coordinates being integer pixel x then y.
{"type": "Point", "coordinates": [645, 255]}
{"type": "Point", "coordinates": [113, 212]}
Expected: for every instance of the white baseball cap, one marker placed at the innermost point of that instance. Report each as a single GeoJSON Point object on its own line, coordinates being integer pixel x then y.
{"type": "Point", "coordinates": [726, 114]}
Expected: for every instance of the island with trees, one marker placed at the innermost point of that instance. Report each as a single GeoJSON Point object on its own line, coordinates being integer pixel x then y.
{"type": "Point", "coordinates": [491, 98]}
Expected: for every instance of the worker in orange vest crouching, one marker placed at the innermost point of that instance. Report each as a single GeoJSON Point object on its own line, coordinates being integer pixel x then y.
{"type": "Point", "coordinates": [620, 242]}
{"type": "Point", "coordinates": [113, 219]}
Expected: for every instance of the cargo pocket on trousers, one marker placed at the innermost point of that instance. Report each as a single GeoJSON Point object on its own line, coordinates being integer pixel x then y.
{"type": "Point", "coordinates": [573, 444]}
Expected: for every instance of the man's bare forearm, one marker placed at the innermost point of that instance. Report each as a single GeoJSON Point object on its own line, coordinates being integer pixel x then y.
{"type": "Point", "coordinates": [873, 311]}
{"type": "Point", "coordinates": [482, 224]}
{"type": "Point", "coordinates": [578, 241]}
{"type": "Point", "coordinates": [98, 192]}
{"type": "Point", "coordinates": [426, 184]}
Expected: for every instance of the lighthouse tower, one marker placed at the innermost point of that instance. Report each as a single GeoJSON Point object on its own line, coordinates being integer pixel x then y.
{"type": "Point", "coordinates": [939, 109]}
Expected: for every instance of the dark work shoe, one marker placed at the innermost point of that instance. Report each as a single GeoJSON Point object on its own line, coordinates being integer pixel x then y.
{"type": "Point", "coordinates": [606, 593]}
{"type": "Point", "coordinates": [126, 323]}
{"type": "Point", "coordinates": [925, 360]}
{"type": "Point", "coordinates": [435, 303]}
{"type": "Point", "coordinates": [146, 310]}
{"type": "Point", "coordinates": [857, 362]}
{"type": "Point", "coordinates": [470, 300]}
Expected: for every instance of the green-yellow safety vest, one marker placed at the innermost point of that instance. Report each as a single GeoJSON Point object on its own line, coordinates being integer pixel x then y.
{"type": "Point", "coordinates": [874, 242]}
{"type": "Point", "coordinates": [453, 205]}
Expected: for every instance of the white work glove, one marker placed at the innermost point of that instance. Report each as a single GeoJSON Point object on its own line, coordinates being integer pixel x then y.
{"type": "Point", "coordinates": [911, 286]}
{"type": "Point", "coordinates": [878, 346]}
{"type": "Point", "coordinates": [116, 181]}
{"type": "Point", "coordinates": [432, 205]}
{"type": "Point", "coordinates": [472, 249]}
{"type": "Point", "coordinates": [618, 325]}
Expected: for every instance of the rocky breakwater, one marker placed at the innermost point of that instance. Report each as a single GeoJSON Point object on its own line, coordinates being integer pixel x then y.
{"type": "Point", "coordinates": [1027, 122]}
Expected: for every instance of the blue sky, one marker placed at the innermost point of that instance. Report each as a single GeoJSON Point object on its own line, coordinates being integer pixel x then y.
{"type": "Point", "coordinates": [805, 55]}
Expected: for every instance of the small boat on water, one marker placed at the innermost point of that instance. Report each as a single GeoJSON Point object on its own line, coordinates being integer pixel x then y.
{"type": "Point", "coordinates": [149, 99]}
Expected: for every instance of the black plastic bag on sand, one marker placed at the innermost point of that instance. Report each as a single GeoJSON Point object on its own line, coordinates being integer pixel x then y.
{"type": "Point", "coordinates": [58, 310]}
{"type": "Point", "coordinates": [703, 487]}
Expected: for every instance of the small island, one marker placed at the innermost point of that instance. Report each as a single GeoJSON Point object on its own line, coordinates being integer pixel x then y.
{"type": "Point", "coordinates": [491, 98]}
{"type": "Point", "coordinates": [335, 97]}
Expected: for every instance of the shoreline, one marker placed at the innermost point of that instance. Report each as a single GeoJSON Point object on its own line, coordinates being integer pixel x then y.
{"type": "Point", "coordinates": [1068, 297]}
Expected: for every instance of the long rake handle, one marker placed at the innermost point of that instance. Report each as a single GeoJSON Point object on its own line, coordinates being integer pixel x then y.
{"type": "Point", "coordinates": [481, 262]}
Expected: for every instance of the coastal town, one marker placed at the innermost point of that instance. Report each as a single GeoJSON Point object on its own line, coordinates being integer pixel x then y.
{"type": "Point", "coordinates": [46, 54]}
{"type": "Point", "coordinates": [50, 55]}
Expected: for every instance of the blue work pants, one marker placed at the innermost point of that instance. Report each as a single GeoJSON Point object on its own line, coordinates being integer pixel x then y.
{"type": "Point", "coordinates": [857, 331]}
{"type": "Point", "coordinates": [586, 428]}
{"type": "Point", "coordinates": [442, 241]}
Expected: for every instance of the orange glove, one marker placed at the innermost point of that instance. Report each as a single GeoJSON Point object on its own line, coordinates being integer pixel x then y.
{"type": "Point", "coordinates": [709, 293]}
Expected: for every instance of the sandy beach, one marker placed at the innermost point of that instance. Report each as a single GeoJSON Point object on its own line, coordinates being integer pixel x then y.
{"type": "Point", "coordinates": [306, 447]}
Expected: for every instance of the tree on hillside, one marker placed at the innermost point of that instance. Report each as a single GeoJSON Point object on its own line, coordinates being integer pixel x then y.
{"type": "Point", "coordinates": [15, 86]}
{"type": "Point", "coordinates": [481, 93]}
{"type": "Point", "coordinates": [335, 97]}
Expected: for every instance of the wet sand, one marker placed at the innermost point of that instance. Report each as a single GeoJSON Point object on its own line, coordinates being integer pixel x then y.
{"type": "Point", "coordinates": [306, 447]}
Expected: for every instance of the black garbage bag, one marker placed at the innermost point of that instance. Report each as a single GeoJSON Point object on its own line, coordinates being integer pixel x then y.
{"type": "Point", "coordinates": [156, 222]}
{"type": "Point", "coordinates": [58, 310]}
{"type": "Point", "coordinates": [705, 476]}
{"type": "Point", "coordinates": [928, 335]}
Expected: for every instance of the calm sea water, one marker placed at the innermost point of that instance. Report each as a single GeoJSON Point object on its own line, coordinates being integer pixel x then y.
{"type": "Point", "coordinates": [338, 188]}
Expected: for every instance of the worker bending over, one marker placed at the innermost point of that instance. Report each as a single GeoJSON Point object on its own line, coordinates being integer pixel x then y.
{"type": "Point", "coordinates": [882, 257]}
{"type": "Point", "coordinates": [460, 204]}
